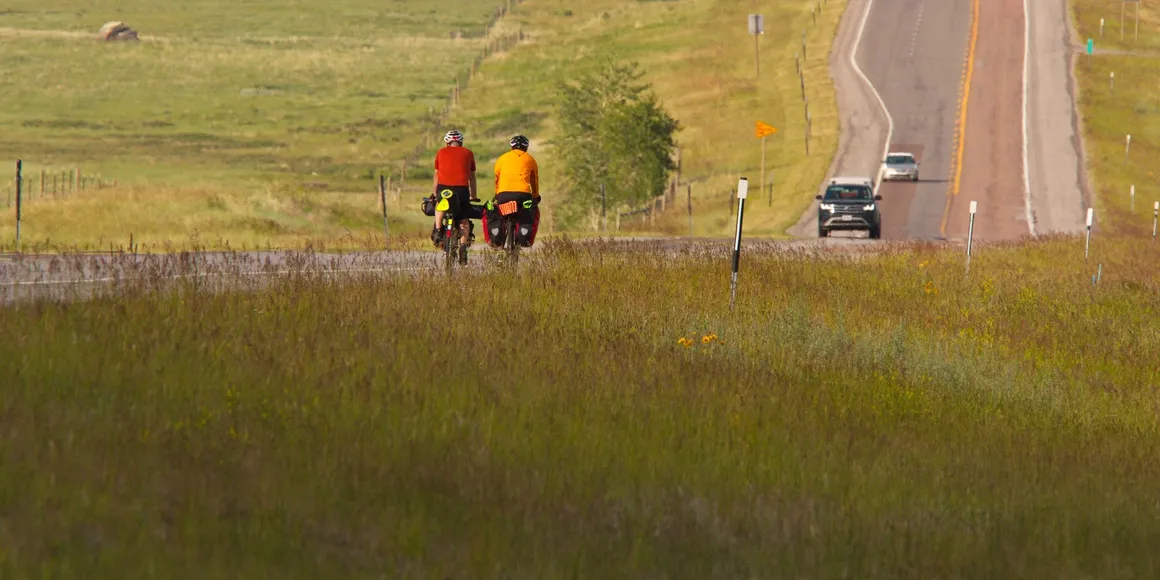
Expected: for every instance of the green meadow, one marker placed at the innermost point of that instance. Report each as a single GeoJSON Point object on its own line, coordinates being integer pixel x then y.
{"type": "Point", "coordinates": [262, 125]}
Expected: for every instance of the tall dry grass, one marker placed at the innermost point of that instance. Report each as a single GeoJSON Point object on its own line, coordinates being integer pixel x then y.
{"type": "Point", "coordinates": [599, 412]}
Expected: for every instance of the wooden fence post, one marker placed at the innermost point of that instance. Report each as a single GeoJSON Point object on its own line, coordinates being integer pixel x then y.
{"type": "Point", "coordinates": [383, 198]}
{"type": "Point", "coordinates": [19, 168]}
{"type": "Point", "coordinates": [690, 200]}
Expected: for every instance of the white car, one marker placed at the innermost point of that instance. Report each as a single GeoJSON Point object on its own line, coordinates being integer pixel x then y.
{"type": "Point", "coordinates": [900, 165]}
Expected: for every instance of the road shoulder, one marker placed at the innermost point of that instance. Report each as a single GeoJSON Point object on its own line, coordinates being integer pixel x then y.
{"type": "Point", "coordinates": [1057, 176]}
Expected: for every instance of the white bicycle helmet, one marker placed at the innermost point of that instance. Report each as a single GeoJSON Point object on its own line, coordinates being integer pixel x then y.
{"type": "Point", "coordinates": [453, 136]}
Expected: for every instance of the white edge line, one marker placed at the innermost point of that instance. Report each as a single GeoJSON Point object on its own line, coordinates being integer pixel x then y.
{"type": "Point", "coordinates": [881, 103]}
{"type": "Point", "coordinates": [1026, 164]}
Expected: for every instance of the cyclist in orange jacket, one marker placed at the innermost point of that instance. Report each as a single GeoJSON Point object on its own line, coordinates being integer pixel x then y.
{"type": "Point", "coordinates": [517, 179]}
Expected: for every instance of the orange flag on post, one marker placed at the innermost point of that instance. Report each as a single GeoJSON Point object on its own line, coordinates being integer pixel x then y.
{"type": "Point", "coordinates": [764, 129]}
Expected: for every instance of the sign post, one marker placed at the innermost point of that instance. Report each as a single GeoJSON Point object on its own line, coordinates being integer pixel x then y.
{"type": "Point", "coordinates": [19, 179]}
{"type": "Point", "coordinates": [1137, 3]}
{"type": "Point", "coordinates": [764, 130]}
{"type": "Point", "coordinates": [971, 234]}
{"type": "Point", "coordinates": [1091, 47]}
{"type": "Point", "coordinates": [742, 192]}
{"type": "Point", "coordinates": [756, 28]}
{"type": "Point", "coordinates": [1088, 242]}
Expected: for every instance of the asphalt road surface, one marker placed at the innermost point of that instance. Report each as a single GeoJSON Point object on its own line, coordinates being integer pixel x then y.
{"type": "Point", "coordinates": [913, 52]}
{"type": "Point", "coordinates": [1018, 89]}
{"type": "Point", "coordinates": [993, 158]}
{"type": "Point", "coordinates": [910, 54]}
{"type": "Point", "coordinates": [1021, 111]}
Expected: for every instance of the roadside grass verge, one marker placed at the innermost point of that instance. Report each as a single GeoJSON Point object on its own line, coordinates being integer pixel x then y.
{"type": "Point", "coordinates": [1087, 15]}
{"type": "Point", "coordinates": [831, 425]}
{"type": "Point", "coordinates": [1109, 117]}
{"type": "Point", "coordinates": [209, 218]}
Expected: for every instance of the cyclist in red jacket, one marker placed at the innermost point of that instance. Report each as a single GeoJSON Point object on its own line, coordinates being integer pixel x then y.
{"type": "Point", "coordinates": [455, 170]}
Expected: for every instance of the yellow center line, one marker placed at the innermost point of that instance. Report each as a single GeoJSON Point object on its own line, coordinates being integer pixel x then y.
{"type": "Point", "coordinates": [962, 122]}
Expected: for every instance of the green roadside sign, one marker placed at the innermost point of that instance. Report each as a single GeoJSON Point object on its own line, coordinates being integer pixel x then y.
{"type": "Point", "coordinates": [1091, 46]}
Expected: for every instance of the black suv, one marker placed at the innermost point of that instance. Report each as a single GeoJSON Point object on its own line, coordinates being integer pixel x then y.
{"type": "Point", "coordinates": [849, 204]}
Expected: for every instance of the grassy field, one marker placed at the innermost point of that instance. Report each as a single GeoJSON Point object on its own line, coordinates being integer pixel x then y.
{"type": "Point", "coordinates": [831, 426]}
{"type": "Point", "coordinates": [241, 101]}
{"type": "Point", "coordinates": [287, 117]}
{"type": "Point", "coordinates": [1132, 109]}
{"type": "Point", "coordinates": [870, 414]}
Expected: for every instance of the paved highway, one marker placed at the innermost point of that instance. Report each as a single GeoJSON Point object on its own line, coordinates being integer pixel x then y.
{"type": "Point", "coordinates": [913, 51]}
{"type": "Point", "coordinates": [987, 86]}
{"type": "Point", "coordinates": [898, 66]}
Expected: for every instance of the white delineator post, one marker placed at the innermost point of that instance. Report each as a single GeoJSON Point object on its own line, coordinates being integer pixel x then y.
{"type": "Point", "coordinates": [1088, 242]}
{"type": "Point", "coordinates": [1155, 218]}
{"type": "Point", "coordinates": [971, 234]}
{"type": "Point", "coordinates": [742, 192]}
{"type": "Point", "coordinates": [1112, 80]}
{"type": "Point", "coordinates": [1127, 147]}
{"type": "Point", "coordinates": [1101, 28]}
{"type": "Point", "coordinates": [1132, 196]}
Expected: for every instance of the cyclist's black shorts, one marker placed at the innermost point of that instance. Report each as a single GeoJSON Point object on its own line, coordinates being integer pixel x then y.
{"type": "Point", "coordinates": [459, 202]}
{"type": "Point", "coordinates": [526, 216]}
{"type": "Point", "coordinates": [517, 196]}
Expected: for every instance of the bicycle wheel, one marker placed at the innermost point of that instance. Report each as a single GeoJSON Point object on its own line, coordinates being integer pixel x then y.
{"type": "Point", "coordinates": [450, 242]}
{"type": "Point", "coordinates": [513, 249]}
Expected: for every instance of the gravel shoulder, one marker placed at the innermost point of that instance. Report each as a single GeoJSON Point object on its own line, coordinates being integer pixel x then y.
{"type": "Point", "coordinates": [1054, 140]}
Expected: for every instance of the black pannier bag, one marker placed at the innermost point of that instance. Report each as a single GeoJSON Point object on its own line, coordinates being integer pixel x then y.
{"type": "Point", "coordinates": [473, 211]}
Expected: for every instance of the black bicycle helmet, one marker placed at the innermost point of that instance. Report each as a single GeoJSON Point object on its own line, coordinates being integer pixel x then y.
{"type": "Point", "coordinates": [519, 142]}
